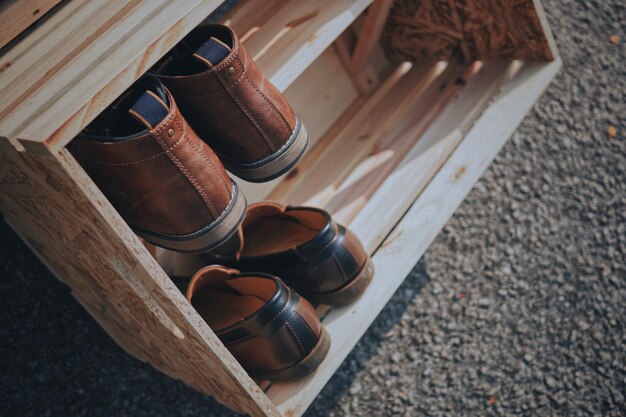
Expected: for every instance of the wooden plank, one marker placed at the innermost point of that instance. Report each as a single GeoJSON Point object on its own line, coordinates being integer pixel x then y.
{"type": "Point", "coordinates": [412, 236]}
{"type": "Point", "coordinates": [18, 15]}
{"type": "Point", "coordinates": [547, 31]}
{"type": "Point", "coordinates": [408, 164]}
{"type": "Point", "coordinates": [68, 223]}
{"type": "Point", "coordinates": [285, 37]}
{"type": "Point", "coordinates": [320, 182]}
{"type": "Point", "coordinates": [319, 96]}
{"type": "Point", "coordinates": [91, 52]}
{"type": "Point", "coordinates": [360, 66]}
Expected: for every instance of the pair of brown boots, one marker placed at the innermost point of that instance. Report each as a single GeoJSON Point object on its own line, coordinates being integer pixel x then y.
{"type": "Point", "coordinates": [159, 154]}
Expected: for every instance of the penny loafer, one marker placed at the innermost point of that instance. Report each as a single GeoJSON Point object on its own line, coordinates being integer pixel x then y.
{"type": "Point", "coordinates": [323, 261]}
{"type": "Point", "coordinates": [272, 331]}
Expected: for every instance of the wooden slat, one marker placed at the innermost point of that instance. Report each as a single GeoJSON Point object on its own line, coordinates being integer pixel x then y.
{"type": "Point", "coordinates": [319, 96]}
{"type": "Point", "coordinates": [360, 66]}
{"type": "Point", "coordinates": [17, 15]}
{"type": "Point", "coordinates": [412, 155]}
{"type": "Point", "coordinates": [57, 79]}
{"type": "Point", "coordinates": [412, 236]}
{"type": "Point", "coordinates": [320, 182]}
{"type": "Point", "coordinates": [285, 37]}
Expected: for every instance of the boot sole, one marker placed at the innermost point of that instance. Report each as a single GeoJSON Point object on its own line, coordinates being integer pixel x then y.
{"type": "Point", "coordinates": [346, 294]}
{"type": "Point", "coordinates": [208, 237]}
{"type": "Point", "coordinates": [307, 365]}
{"type": "Point", "coordinates": [277, 164]}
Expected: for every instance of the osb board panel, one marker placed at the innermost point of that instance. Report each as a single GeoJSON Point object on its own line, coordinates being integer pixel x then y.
{"type": "Point", "coordinates": [60, 214]}
{"type": "Point", "coordinates": [463, 31]}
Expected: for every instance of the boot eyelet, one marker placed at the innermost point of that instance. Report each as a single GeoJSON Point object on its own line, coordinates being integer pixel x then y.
{"type": "Point", "coordinates": [231, 70]}
{"type": "Point", "coordinates": [170, 133]}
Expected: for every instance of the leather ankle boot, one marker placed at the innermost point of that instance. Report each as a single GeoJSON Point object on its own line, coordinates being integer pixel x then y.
{"type": "Point", "coordinates": [231, 105]}
{"type": "Point", "coordinates": [269, 329]}
{"type": "Point", "coordinates": [323, 261]}
{"type": "Point", "coordinates": [164, 181]}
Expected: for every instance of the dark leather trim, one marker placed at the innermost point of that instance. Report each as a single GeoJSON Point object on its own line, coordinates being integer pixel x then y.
{"type": "Point", "coordinates": [268, 320]}
{"type": "Point", "coordinates": [302, 333]}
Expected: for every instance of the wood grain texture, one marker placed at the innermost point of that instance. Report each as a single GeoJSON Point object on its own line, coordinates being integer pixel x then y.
{"type": "Point", "coordinates": [63, 217]}
{"type": "Point", "coordinates": [427, 31]}
{"type": "Point", "coordinates": [17, 15]}
{"type": "Point", "coordinates": [285, 36]}
{"type": "Point", "coordinates": [66, 71]}
{"type": "Point", "coordinates": [319, 96]}
{"type": "Point", "coordinates": [408, 241]}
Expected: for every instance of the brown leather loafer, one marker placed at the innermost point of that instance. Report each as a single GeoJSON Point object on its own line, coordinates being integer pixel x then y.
{"type": "Point", "coordinates": [320, 259]}
{"type": "Point", "coordinates": [231, 105]}
{"type": "Point", "coordinates": [269, 329]}
{"type": "Point", "coordinates": [167, 184]}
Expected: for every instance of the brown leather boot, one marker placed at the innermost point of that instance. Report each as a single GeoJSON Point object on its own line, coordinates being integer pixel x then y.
{"type": "Point", "coordinates": [165, 182]}
{"type": "Point", "coordinates": [320, 259]}
{"type": "Point", "coordinates": [269, 329]}
{"type": "Point", "coordinates": [231, 106]}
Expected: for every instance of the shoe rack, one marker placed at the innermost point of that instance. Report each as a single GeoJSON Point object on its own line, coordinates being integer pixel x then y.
{"type": "Point", "coordinates": [395, 150]}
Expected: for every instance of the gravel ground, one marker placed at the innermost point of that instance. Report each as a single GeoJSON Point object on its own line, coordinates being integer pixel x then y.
{"type": "Point", "coordinates": [518, 308]}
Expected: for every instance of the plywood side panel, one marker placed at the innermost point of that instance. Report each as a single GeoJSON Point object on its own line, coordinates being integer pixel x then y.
{"type": "Point", "coordinates": [58, 211]}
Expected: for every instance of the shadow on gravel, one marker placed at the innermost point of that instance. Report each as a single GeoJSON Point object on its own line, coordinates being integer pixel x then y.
{"type": "Point", "coordinates": [56, 360]}
{"type": "Point", "coordinates": [370, 342]}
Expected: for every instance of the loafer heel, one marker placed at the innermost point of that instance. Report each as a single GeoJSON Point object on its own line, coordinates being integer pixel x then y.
{"type": "Point", "coordinates": [346, 294]}
{"type": "Point", "coordinates": [302, 368]}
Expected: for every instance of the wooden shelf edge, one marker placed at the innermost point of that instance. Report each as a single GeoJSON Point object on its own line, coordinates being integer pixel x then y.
{"type": "Point", "coordinates": [18, 15]}
{"type": "Point", "coordinates": [91, 70]}
{"type": "Point", "coordinates": [408, 241]}
{"type": "Point", "coordinates": [285, 38]}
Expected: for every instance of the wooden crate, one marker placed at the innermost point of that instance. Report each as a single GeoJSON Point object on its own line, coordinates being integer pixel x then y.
{"type": "Point", "coordinates": [395, 151]}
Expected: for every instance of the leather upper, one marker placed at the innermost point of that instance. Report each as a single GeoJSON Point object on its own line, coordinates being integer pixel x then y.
{"type": "Point", "coordinates": [230, 104]}
{"type": "Point", "coordinates": [325, 260]}
{"type": "Point", "coordinates": [276, 332]}
{"type": "Point", "coordinates": [162, 179]}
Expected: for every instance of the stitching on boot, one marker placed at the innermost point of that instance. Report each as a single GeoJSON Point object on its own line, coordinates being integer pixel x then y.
{"type": "Point", "coordinates": [242, 106]}
{"type": "Point", "coordinates": [190, 177]}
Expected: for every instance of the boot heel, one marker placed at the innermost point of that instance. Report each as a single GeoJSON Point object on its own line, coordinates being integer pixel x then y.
{"type": "Point", "coordinates": [277, 164]}
{"type": "Point", "coordinates": [208, 237]}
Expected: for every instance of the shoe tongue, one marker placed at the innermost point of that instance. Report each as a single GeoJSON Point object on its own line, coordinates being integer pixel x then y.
{"type": "Point", "coordinates": [149, 109]}
{"type": "Point", "coordinates": [212, 52]}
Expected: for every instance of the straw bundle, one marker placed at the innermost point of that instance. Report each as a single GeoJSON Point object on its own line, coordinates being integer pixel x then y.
{"type": "Point", "coordinates": [427, 31]}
